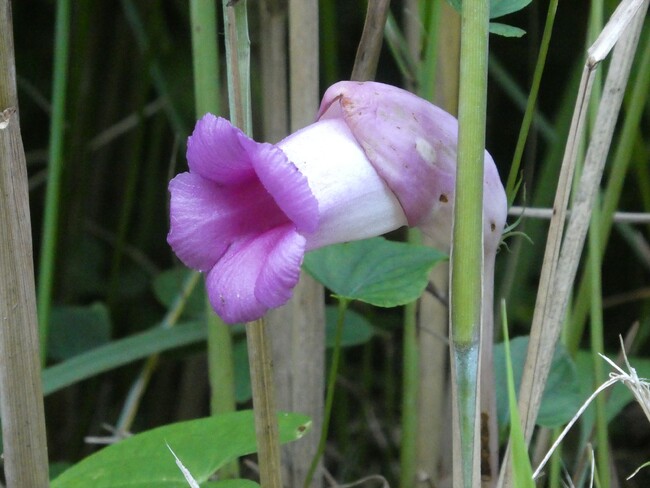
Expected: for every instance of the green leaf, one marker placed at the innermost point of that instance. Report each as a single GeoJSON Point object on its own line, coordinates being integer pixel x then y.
{"type": "Point", "coordinates": [75, 330]}
{"type": "Point", "coordinates": [504, 30]}
{"type": "Point", "coordinates": [119, 353]}
{"type": "Point", "coordinates": [380, 272]}
{"type": "Point", "coordinates": [562, 397]}
{"type": "Point", "coordinates": [240, 483]}
{"type": "Point", "coordinates": [357, 329]}
{"type": "Point", "coordinates": [168, 285]}
{"type": "Point", "coordinates": [498, 8]}
{"type": "Point", "coordinates": [203, 446]}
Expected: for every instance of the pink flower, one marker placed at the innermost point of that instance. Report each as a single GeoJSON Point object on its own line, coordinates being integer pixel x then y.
{"type": "Point", "coordinates": [377, 158]}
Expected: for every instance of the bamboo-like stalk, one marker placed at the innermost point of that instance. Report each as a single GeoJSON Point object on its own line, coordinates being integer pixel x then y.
{"type": "Point", "coordinates": [298, 337]}
{"type": "Point", "coordinates": [261, 363]}
{"type": "Point", "coordinates": [467, 245]}
{"type": "Point", "coordinates": [21, 396]}
{"type": "Point", "coordinates": [266, 422]}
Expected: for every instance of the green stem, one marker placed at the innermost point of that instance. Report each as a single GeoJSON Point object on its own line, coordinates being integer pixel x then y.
{"type": "Point", "coordinates": [598, 347]}
{"type": "Point", "coordinates": [55, 170]}
{"type": "Point", "coordinates": [205, 56]}
{"type": "Point", "coordinates": [329, 396]}
{"type": "Point", "coordinates": [408, 451]}
{"type": "Point", "coordinates": [530, 105]}
{"type": "Point", "coordinates": [467, 248]}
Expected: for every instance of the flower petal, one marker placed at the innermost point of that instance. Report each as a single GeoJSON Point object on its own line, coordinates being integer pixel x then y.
{"type": "Point", "coordinates": [217, 150]}
{"type": "Point", "coordinates": [206, 218]}
{"type": "Point", "coordinates": [255, 275]}
{"type": "Point", "coordinates": [354, 202]}
{"type": "Point", "coordinates": [288, 186]}
{"type": "Point", "coordinates": [410, 142]}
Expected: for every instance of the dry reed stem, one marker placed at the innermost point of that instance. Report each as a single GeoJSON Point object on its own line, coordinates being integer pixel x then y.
{"type": "Point", "coordinates": [298, 328]}
{"type": "Point", "coordinates": [266, 422]}
{"type": "Point", "coordinates": [21, 396]}
{"type": "Point", "coordinates": [365, 63]}
{"type": "Point", "coordinates": [273, 69]}
{"type": "Point", "coordinates": [559, 267]}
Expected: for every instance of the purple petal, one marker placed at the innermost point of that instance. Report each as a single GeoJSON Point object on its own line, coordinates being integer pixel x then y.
{"type": "Point", "coordinates": [206, 218]}
{"type": "Point", "coordinates": [255, 275]}
{"type": "Point", "coordinates": [410, 142]}
{"type": "Point", "coordinates": [217, 151]}
{"type": "Point", "coordinates": [288, 186]}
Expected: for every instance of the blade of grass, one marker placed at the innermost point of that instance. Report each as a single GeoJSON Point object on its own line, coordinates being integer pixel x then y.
{"type": "Point", "coordinates": [521, 468]}
{"type": "Point", "coordinates": [55, 170]}
{"type": "Point", "coordinates": [119, 353]}
{"type": "Point", "coordinates": [365, 63]}
{"type": "Point", "coordinates": [532, 100]}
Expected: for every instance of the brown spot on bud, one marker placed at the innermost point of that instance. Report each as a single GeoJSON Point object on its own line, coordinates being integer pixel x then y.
{"type": "Point", "coordinates": [493, 226]}
{"type": "Point", "coordinates": [443, 198]}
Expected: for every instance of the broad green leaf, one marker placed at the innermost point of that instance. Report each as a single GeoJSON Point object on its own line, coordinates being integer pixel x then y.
{"type": "Point", "coordinates": [169, 284]}
{"type": "Point", "coordinates": [119, 353]}
{"type": "Point", "coordinates": [562, 397]}
{"type": "Point", "coordinates": [75, 330]}
{"type": "Point", "coordinates": [504, 30]}
{"type": "Point", "coordinates": [498, 8]}
{"type": "Point", "coordinates": [380, 272]}
{"type": "Point", "coordinates": [241, 483]}
{"type": "Point", "coordinates": [357, 329]}
{"type": "Point", "coordinates": [203, 446]}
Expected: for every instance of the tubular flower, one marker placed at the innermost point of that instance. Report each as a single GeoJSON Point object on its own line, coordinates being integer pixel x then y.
{"type": "Point", "coordinates": [377, 158]}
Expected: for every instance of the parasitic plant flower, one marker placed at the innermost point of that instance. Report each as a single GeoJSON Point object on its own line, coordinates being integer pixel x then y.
{"type": "Point", "coordinates": [377, 158]}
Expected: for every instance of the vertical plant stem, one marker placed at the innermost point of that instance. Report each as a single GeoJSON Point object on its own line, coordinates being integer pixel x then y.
{"type": "Point", "coordinates": [408, 451]}
{"type": "Point", "coordinates": [365, 63]}
{"type": "Point", "coordinates": [205, 56]}
{"type": "Point", "coordinates": [260, 360]}
{"type": "Point", "coordinates": [618, 169]}
{"type": "Point", "coordinates": [467, 247]}
{"type": "Point", "coordinates": [21, 395]}
{"type": "Point", "coordinates": [266, 421]}
{"type": "Point", "coordinates": [598, 347]}
{"type": "Point", "coordinates": [205, 60]}
{"type": "Point", "coordinates": [532, 100]}
{"type": "Point", "coordinates": [299, 326]}
{"type": "Point", "coordinates": [331, 387]}
{"type": "Point", "coordinates": [273, 54]}
{"type": "Point", "coordinates": [55, 168]}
